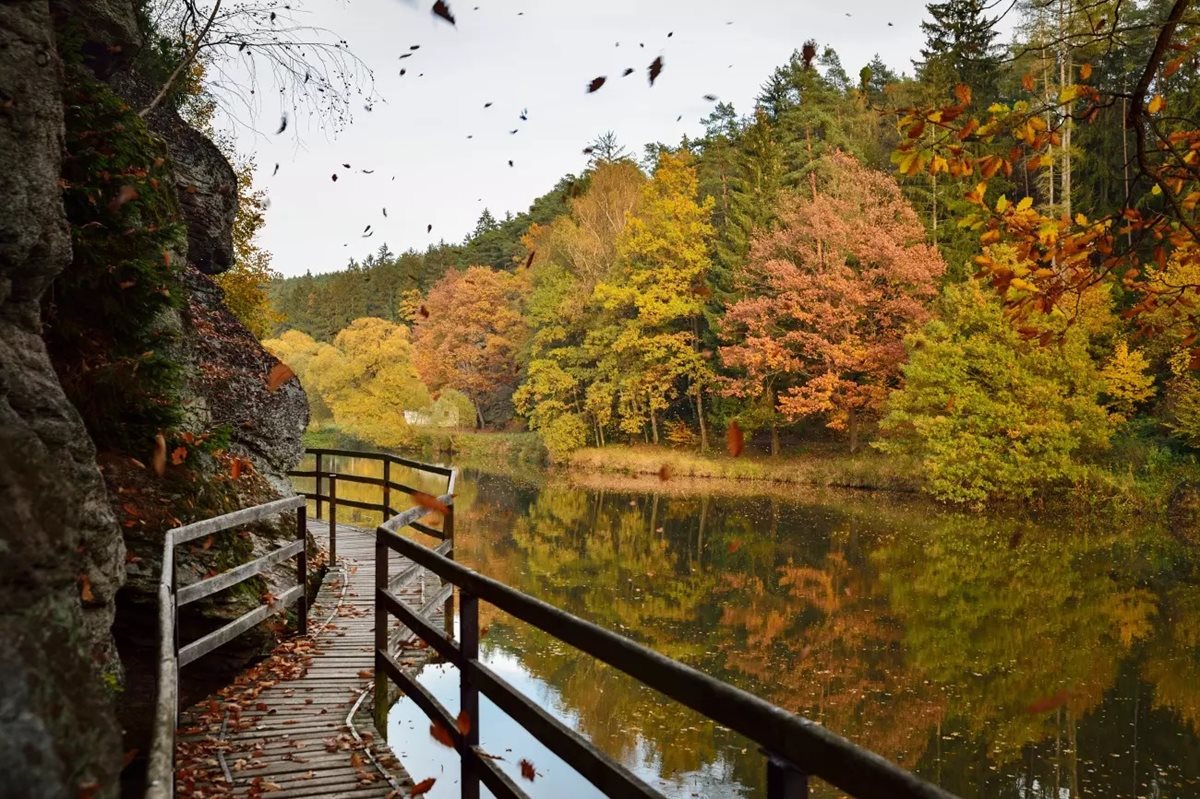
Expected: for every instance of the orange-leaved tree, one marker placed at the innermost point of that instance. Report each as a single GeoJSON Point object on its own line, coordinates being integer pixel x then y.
{"type": "Point", "coordinates": [468, 338]}
{"type": "Point", "coordinates": [1063, 251]}
{"type": "Point", "coordinates": [829, 294]}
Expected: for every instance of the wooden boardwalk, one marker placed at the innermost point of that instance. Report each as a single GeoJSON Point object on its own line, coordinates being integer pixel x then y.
{"type": "Point", "coordinates": [290, 727]}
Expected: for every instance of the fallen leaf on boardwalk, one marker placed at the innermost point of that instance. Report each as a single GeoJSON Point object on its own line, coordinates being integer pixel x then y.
{"type": "Point", "coordinates": [308, 775]}
{"type": "Point", "coordinates": [1048, 702]}
{"type": "Point", "coordinates": [280, 374]}
{"type": "Point", "coordinates": [430, 502]}
{"type": "Point", "coordinates": [85, 589]}
{"type": "Point", "coordinates": [367, 673]}
{"type": "Point", "coordinates": [464, 722]}
{"type": "Point", "coordinates": [356, 760]}
{"type": "Point", "coordinates": [441, 735]}
{"type": "Point", "coordinates": [422, 787]}
{"type": "Point", "coordinates": [527, 770]}
{"type": "Point", "coordinates": [735, 442]}
{"type": "Point", "coordinates": [160, 454]}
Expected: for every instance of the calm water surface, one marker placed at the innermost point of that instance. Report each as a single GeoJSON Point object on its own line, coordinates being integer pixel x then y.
{"type": "Point", "coordinates": [996, 657]}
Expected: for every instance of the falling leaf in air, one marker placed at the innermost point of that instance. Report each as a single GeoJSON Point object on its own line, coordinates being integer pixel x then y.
{"type": "Point", "coordinates": [282, 124]}
{"type": "Point", "coordinates": [424, 312]}
{"type": "Point", "coordinates": [656, 68]}
{"type": "Point", "coordinates": [527, 770]}
{"type": "Point", "coordinates": [333, 177]}
{"type": "Point", "coordinates": [414, 47]}
{"type": "Point", "coordinates": [664, 472]}
{"type": "Point", "coordinates": [588, 150]}
{"type": "Point", "coordinates": [596, 84]}
{"type": "Point", "coordinates": [464, 722]}
{"type": "Point", "coordinates": [85, 589]}
{"type": "Point", "coordinates": [235, 468]}
{"type": "Point", "coordinates": [422, 787]}
{"type": "Point", "coordinates": [429, 228]}
{"type": "Point", "coordinates": [628, 71]}
{"type": "Point", "coordinates": [441, 735]}
{"type": "Point", "coordinates": [679, 118]}
{"type": "Point", "coordinates": [514, 130]}
{"type": "Point", "coordinates": [208, 543]}
{"type": "Point", "coordinates": [442, 10]}
{"type": "Point", "coordinates": [712, 98]}
{"type": "Point", "coordinates": [345, 166]}
{"type": "Point", "coordinates": [125, 194]}
{"type": "Point", "coordinates": [487, 105]}
{"type": "Point", "coordinates": [529, 260]}
{"type": "Point", "coordinates": [524, 114]}
{"type": "Point", "coordinates": [385, 213]}
{"type": "Point", "coordinates": [368, 227]}
{"type": "Point", "coordinates": [402, 72]}
{"type": "Point", "coordinates": [280, 374]}
{"type": "Point", "coordinates": [510, 163]}
{"type": "Point", "coordinates": [406, 55]}
{"type": "Point", "coordinates": [735, 442]}
{"type": "Point", "coordinates": [178, 455]}
{"type": "Point", "coordinates": [734, 545]}
{"type": "Point", "coordinates": [160, 454]}
{"type": "Point", "coordinates": [276, 172]}
{"type": "Point", "coordinates": [430, 502]}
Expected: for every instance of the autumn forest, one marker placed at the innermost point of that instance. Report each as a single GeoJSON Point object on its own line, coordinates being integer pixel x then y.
{"type": "Point", "coordinates": [981, 268]}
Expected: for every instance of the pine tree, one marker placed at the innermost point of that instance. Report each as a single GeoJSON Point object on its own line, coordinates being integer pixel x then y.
{"type": "Point", "coordinates": [959, 48]}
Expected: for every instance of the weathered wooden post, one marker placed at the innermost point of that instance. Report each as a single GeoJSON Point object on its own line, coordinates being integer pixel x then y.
{"type": "Point", "coordinates": [448, 531]}
{"type": "Point", "coordinates": [302, 565]}
{"type": "Point", "coordinates": [332, 519]}
{"type": "Point", "coordinates": [468, 694]}
{"type": "Point", "coordinates": [381, 634]}
{"type": "Point", "coordinates": [387, 489]}
{"type": "Point", "coordinates": [317, 484]}
{"type": "Point", "coordinates": [785, 781]}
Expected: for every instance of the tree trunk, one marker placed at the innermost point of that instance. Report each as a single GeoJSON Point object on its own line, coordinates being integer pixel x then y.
{"type": "Point", "coordinates": [654, 424]}
{"type": "Point", "coordinates": [774, 439]}
{"type": "Point", "coordinates": [478, 418]}
{"type": "Point", "coordinates": [700, 419]}
{"type": "Point", "coordinates": [853, 430]}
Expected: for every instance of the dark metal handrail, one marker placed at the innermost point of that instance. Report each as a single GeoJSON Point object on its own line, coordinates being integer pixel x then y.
{"type": "Point", "coordinates": [160, 768]}
{"type": "Point", "coordinates": [794, 747]}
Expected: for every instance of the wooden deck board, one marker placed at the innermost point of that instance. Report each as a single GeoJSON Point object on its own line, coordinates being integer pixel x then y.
{"type": "Point", "coordinates": [288, 737]}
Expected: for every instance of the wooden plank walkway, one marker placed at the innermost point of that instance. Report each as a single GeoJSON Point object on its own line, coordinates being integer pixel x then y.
{"type": "Point", "coordinates": [285, 729]}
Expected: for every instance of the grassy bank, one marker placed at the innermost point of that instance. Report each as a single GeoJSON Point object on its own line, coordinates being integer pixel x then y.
{"type": "Point", "coordinates": [817, 466]}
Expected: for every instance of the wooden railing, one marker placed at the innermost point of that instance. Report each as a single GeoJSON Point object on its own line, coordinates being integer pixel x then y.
{"type": "Point", "coordinates": [160, 769]}
{"type": "Point", "coordinates": [794, 748]}
{"type": "Point", "coordinates": [328, 480]}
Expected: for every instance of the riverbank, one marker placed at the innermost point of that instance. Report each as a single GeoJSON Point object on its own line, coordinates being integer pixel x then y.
{"type": "Point", "coordinates": [818, 466]}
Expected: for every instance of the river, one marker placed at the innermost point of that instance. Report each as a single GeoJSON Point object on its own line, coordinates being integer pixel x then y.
{"type": "Point", "coordinates": [998, 657]}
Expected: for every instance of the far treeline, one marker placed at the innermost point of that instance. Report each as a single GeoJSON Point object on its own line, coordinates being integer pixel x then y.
{"type": "Point", "coordinates": [988, 268]}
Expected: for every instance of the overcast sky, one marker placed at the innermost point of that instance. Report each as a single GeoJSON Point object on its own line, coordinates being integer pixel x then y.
{"type": "Point", "coordinates": [523, 54]}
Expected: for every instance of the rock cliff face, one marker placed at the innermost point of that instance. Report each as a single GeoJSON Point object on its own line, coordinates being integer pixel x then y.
{"type": "Point", "coordinates": [62, 554]}
{"type": "Point", "coordinates": [63, 532]}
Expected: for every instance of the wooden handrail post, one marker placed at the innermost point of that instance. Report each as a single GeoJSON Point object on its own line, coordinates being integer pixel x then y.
{"type": "Point", "coordinates": [317, 484]}
{"type": "Point", "coordinates": [468, 621]}
{"type": "Point", "coordinates": [448, 608]}
{"type": "Point", "coordinates": [381, 635]}
{"type": "Point", "coordinates": [302, 565]}
{"type": "Point", "coordinates": [785, 781]}
{"type": "Point", "coordinates": [332, 519]}
{"type": "Point", "coordinates": [387, 490]}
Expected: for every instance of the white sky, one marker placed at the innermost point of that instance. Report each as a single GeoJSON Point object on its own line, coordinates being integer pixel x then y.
{"type": "Point", "coordinates": [541, 60]}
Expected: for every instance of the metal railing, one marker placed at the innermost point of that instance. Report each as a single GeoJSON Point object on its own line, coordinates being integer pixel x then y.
{"type": "Point", "coordinates": [794, 748]}
{"type": "Point", "coordinates": [160, 768]}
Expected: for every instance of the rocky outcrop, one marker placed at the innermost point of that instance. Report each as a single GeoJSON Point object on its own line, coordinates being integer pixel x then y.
{"type": "Point", "coordinates": [62, 554]}
{"type": "Point", "coordinates": [229, 386]}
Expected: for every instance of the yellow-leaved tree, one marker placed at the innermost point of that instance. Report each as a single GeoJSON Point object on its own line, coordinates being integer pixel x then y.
{"type": "Point", "coordinates": [245, 283]}
{"type": "Point", "coordinates": [368, 380]}
{"type": "Point", "coordinates": [298, 349]}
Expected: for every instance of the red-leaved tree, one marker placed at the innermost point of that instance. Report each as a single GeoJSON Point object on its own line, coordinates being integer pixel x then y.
{"type": "Point", "coordinates": [828, 295]}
